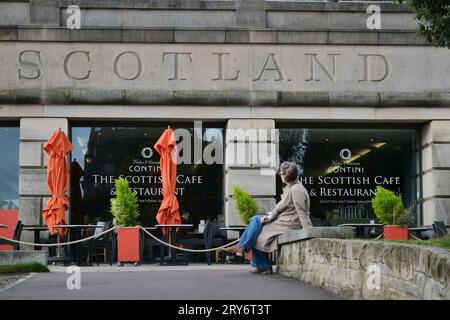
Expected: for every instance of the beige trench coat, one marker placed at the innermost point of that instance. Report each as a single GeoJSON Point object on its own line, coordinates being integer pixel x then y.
{"type": "Point", "coordinates": [291, 213]}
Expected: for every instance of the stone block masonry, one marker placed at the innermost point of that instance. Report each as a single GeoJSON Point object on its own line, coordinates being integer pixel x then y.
{"type": "Point", "coordinates": [23, 256]}
{"type": "Point", "coordinates": [33, 188]}
{"type": "Point", "coordinates": [359, 269]}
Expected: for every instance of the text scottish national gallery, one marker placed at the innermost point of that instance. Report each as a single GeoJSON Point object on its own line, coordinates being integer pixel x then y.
{"type": "Point", "coordinates": [245, 85]}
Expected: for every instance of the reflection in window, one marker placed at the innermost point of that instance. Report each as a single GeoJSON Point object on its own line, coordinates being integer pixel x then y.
{"type": "Point", "coordinates": [342, 167]}
{"type": "Point", "coordinates": [9, 168]}
{"type": "Point", "coordinates": [101, 154]}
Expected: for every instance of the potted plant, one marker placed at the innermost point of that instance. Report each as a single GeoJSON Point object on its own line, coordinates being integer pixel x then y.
{"type": "Point", "coordinates": [125, 211]}
{"type": "Point", "coordinates": [246, 207]}
{"type": "Point", "coordinates": [389, 209]}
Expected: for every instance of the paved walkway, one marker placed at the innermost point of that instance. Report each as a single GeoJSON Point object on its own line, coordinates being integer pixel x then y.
{"type": "Point", "coordinates": [194, 282]}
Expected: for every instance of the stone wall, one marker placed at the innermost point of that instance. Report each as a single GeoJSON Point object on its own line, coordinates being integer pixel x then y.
{"type": "Point", "coordinates": [358, 269]}
{"type": "Point", "coordinates": [243, 138]}
{"type": "Point", "coordinates": [22, 257]}
{"type": "Point", "coordinates": [33, 187]}
{"type": "Point", "coordinates": [436, 171]}
{"type": "Point", "coordinates": [193, 21]}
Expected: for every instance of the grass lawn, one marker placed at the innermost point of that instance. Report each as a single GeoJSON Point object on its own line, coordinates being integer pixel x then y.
{"type": "Point", "coordinates": [23, 268]}
{"type": "Point", "coordinates": [443, 242]}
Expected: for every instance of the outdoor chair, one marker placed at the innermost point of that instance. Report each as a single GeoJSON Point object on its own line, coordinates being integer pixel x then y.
{"type": "Point", "coordinates": [16, 236]}
{"type": "Point", "coordinates": [51, 239]}
{"type": "Point", "coordinates": [211, 239]}
{"type": "Point", "coordinates": [214, 240]}
{"type": "Point", "coordinates": [104, 242]}
{"type": "Point", "coordinates": [440, 229]}
{"type": "Point", "coordinates": [150, 243]}
{"type": "Point", "coordinates": [193, 243]}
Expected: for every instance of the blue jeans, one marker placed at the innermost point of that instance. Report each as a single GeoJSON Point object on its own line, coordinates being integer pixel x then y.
{"type": "Point", "coordinates": [247, 241]}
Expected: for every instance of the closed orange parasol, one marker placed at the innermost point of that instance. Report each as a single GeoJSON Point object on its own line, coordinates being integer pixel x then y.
{"type": "Point", "coordinates": [54, 213]}
{"type": "Point", "coordinates": [168, 212]}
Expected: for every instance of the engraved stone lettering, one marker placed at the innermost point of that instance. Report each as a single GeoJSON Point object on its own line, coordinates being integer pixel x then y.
{"type": "Point", "coordinates": [313, 76]}
{"type": "Point", "coordinates": [138, 65]}
{"type": "Point", "coordinates": [177, 55]}
{"type": "Point", "coordinates": [36, 68]}
{"type": "Point", "coordinates": [66, 65]}
{"type": "Point", "coordinates": [220, 71]}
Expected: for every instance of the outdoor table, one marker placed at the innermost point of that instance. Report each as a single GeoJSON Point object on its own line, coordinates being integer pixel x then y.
{"type": "Point", "coordinates": [173, 238]}
{"type": "Point", "coordinates": [37, 230]}
{"type": "Point", "coordinates": [361, 228]}
{"type": "Point", "coordinates": [422, 228]}
{"type": "Point", "coordinates": [419, 231]}
{"type": "Point", "coordinates": [241, 228]}
{"type": "Point", "coordinates": [76, 227]}
{"type": "Point", "coordinates": [193, 234]}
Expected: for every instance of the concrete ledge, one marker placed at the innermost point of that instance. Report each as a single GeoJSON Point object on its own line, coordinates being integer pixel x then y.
{"type": "Point", "coordinates": [227, 5]}
{"type": "Point", "coordinates": [71, 96]}
{"type": "Point", "coordinates": [211, 35]}
{"type": "Point", "coordinates": [150, 4]}
{"type": "Point", "coordinates": [333, 6]}
{"type": "Point", "coordinates": [8, 33]}
{"type": "Point", "coordinates": [316, 232]}
{"type": "Point", "coordinates": [23, 256]}
{"type": "Point", "coordinates": [207, 36]}
{"type": "Point", "coordinates": [359, 269]}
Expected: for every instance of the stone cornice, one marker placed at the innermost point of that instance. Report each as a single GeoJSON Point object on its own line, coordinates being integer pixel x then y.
{"type": "Point", "coordinates": [210, 35]}
{"type": "Point", "coordinates": [71, 96]}
{"type": "Point", "coordinates": [223, 5]}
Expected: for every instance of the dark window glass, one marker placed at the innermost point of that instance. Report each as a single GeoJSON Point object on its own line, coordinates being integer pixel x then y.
{"type": "Point", "coordinates": [342, 167]}
{"type": "Point", "coordinates": [102, 154]}
{"type": "Point", "coordinates": [9, 168]}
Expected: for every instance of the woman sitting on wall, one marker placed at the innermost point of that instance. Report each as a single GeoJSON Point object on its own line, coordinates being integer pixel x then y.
{"type": "Point", "coordinates": [291, 213]}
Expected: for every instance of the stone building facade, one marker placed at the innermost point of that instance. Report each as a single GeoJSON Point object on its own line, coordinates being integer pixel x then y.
{"type": "Point", "coordinates": [245, 63]}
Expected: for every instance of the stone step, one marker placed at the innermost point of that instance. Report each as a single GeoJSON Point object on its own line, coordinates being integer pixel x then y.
{"type": "Point", "coordinates": [22, 256]}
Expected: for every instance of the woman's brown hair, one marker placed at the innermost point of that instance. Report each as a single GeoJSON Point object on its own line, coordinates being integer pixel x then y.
{"type": "Point", "coordinates": [289, 170]}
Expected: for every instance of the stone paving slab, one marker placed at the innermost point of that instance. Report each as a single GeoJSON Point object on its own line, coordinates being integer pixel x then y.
{"type": "Point", "coordinates": [152, 268]}
{"type": "Point", "coordinates": [6, 279]}
{"type": "Point", "coordinates": [165, 283]}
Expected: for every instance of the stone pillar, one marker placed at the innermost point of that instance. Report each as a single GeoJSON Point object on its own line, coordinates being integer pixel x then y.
{"type": "Point", "coordinates": [33, 190]}
{"type": "Point", "coordinates": [436, 171]}
{"type": "Point", "coordinates": [246, 141]}
{"type": "Point", "coordinates": [251, 13]}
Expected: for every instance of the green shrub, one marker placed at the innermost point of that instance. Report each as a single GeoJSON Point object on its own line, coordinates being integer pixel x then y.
{"type": "Point", "coordinates": [408, 216]}
{"type": "Point", "coordinates": [124, 207]}
{"type": "Point", "coordinates": [23, 268]}
{"type": "Point", "coordinates": [245, 205]}
{"type": "Point", "coordinates": [433, 20]}
{"type": "Point", "coordinates": [387, 206]}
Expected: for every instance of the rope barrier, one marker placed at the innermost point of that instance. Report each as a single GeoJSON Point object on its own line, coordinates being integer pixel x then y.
{"type": "Point", "coordinates": [58, 244]}
{"type": "Point", "coordinates": [188, 250]}
{"type": "Point", "coordinates": [111, 229]}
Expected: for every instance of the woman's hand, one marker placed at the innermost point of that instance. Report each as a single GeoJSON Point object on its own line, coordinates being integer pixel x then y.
{"type": "Point", "coordinates": [264, 219]}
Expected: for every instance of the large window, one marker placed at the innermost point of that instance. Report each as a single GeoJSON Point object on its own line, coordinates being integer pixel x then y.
{"type": "Point", "coordinates": [102, 154]}
{"type": "Point", "coordinates": [9, 168]}
{"type": "Point", "coordinates": [341, 168]}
